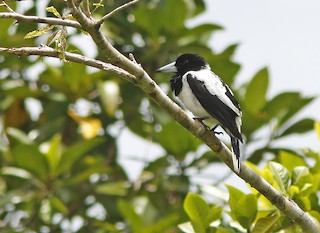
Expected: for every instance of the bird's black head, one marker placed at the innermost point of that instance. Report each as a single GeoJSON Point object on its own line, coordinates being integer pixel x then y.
{"type": "Point", "coordinates": [190, 62]}
{"type": "Point", "coordinates": [184, 63]}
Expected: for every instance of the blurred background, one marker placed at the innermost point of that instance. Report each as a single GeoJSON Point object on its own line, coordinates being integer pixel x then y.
{"type": "Point", "coordinates": [84, 151]}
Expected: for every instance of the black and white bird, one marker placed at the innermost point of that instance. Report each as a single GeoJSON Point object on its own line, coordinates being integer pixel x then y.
{"type": "Point", "coordinates": [206, 95]}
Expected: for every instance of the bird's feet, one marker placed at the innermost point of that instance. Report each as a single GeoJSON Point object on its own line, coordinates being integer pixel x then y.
{"type": "Point", "coordinates": [216, 132]}
{"type": "Point", "coordinates": [200, 119]}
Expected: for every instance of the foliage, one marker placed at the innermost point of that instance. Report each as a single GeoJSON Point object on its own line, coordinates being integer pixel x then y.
{"type": "Point", "coordinates": [61, 127]}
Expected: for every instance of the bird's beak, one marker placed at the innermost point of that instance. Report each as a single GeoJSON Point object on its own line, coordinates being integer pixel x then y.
{"type": "Point", "coordinates": [170, 68]}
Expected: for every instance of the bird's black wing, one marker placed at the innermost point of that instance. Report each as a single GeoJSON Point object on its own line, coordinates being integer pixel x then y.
{"type": "Point", "coordinates": [214, 106]}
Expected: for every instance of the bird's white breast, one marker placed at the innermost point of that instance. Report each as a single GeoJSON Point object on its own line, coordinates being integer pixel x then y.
{"type": "Point", "coordinates": [191, 102]}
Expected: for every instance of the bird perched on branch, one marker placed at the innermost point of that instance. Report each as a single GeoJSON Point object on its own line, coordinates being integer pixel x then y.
{"type": "Point", "coordinates": [207, 97]}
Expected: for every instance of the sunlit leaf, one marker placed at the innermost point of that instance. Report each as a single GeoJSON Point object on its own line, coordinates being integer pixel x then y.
{"type": "Point", "coordinates": [298, 173]}
{"type": "Point", "coordinates": [57, 204]}
{"type": "Point", "coordinates": [45, 210]}
{"type": "Point", "coordinates": [307, 189]}
{"type": "Point", "coordinates": [61, 42]}
{"type": "Point", "coordinates": [113, 188]}
{"type": "Point", "coordinates": [301, 177]}
{"type": "Point", "coordinates": [281, 175]}
{"type": "Point", "coordinates": [198, 211]}
{"type": "Point", "coordinates": [22, 174]}
{"type": "Point", "coordinates": [51, 37]}
{"type": "Point", "coordinates": [186, 227]}
{"type": "Point", "coordinates": [130, 214]}
{"type": "Point", "coordinates": [265, 225]}
{"type": "Point", "coordinates": [89, 126]}
{"type": "Point", "coordinates": [40, 31]}
{"type": "Point", "coordinates": [110, 96]}
{"type": "Point", "coordinates": [54, 11]}
{"type": "Point", "coordinates": [291, 160]}
{"type": "Point", "coordinates": [54, 152]}
{"type": "Point", "coordinates": [19, 135]}
{"type": "Point", "coordinates": [317, 128]}
{"type": "Point", "coordinates": [239, 203]}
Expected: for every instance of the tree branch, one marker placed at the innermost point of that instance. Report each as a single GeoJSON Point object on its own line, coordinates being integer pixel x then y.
{"type": "Point", "coordinates": [36, 19]}
{"type": "Point", "coordinates": [120, 8]}
{"type": "Point", "coordinates": [46, 51]}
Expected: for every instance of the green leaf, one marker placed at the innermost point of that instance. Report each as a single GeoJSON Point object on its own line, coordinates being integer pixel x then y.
{"type": "Point", "coordinates": [19, 135]}
{"type": "Point", "coordinates": [54, 11]}
{"type": "Point", "coordinates": [204, 31]}
{"type": "Point", "coordinates": [301, 176]}
{"type": "Point", "coordinates": [265, 225]}
{"type": "Point", "coordinates": [317, 128]}
{"type": "Point", "coordinates": [45, 210]}
{"type": "Point", "coordinates": [229, 51]}
{"type": "Point", "coordinates": [198, 211]}
{"type": "Point", "coordinates": [291, 160]}
{"type": "Point", "coordinates": [186, 227]}
{"type": "Point", "coordinates": [298, 173]}
{"type": "Point", "coordinates": [40, 31]}
{"type": "Point", "coordinates": [54, 153]}
{"type": "Point", "coordinates": [163, 224]}
{"type": "Point", "coordinates": [239, 203]}
{"type": "Point", "coordinates": [302, 126]}
{"type": "Point", "coordinates": [286, 105]}
{"type": "Point", "coordinates": [61, 42]}
{"type": "Point", "coordinates": [51, 37]}
{"type": "Point", "coordinates": [22, 174]}
{"type": "Point", "coordinates": [74, 152]}
{"type": "Point", "coordinates": [30, 158]}
{"type": "Point", "coordinates": [57, 204]}
{"type": "Point", "coordinates": [131, 216]}
{"type": "Point", "coordinates": [109, 95]}
{"type": "Point", "coordinates": [215, 213]}
{"type": "Point", "coordinates": [281, 175]}
{"type": "Point", "coordinates": [255, 97]}
{"type": "Point", "coordinates": [113, 188]}
{"type": "Point", "coordinates": [176, 140]}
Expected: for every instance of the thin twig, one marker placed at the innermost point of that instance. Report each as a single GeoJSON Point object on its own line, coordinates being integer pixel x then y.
{"type": "Point", "coordinates": [47, 51]}
{"type": "Point", "coordinates": [120, 8]}
{"type": "Point", "coordinates": [36, 19]}
{"type": "Point", "coordinates": [7, 6]}
{"type": "Point", "coordinates": [132, 58]}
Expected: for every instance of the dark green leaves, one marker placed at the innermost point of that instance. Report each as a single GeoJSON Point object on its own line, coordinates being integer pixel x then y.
{"type": "Point", "coordinates": [182, 142]}
{"type": "Point", "coordinates": [31, 159]}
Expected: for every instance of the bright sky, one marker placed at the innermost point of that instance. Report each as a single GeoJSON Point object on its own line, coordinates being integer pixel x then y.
{"type": "Point", "coordinates": [282, 35]}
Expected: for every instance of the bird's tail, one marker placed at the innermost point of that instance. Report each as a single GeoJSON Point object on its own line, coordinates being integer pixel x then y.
{"type": "Point", "coordinates": [235, 143]}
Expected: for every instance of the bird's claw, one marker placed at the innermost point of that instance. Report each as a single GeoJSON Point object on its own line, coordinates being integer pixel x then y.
{"type": "Point", "coordinates": [200, 119]}
{"type": "Point", "coordinates": [217, 133]}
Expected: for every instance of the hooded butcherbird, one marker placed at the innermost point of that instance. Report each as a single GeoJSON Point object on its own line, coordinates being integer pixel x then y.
{"type": "Point", "coordinates": [207, 97]}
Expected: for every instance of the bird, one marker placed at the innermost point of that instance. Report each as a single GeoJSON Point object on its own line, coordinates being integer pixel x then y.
{"type": "Point", "coordinates": [207, 97]}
